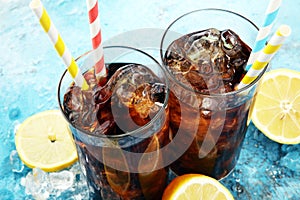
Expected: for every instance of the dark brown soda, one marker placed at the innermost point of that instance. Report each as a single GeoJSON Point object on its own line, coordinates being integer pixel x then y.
{"type": "Point", "coordinates": [91, 112]}
{"type": "Point", "coordinates": [207, 62]}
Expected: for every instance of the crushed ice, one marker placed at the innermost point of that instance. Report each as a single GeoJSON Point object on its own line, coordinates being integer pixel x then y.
{"type": "Point", "coordinates": [48, 185]}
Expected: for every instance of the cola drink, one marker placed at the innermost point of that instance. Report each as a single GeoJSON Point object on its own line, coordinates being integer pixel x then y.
{"type": "Point", "coordinates": [204, 68]}
{"type": "Point", "coordinates": [119, 128]}
{"type": "Point", "coordinates": [132, 96]}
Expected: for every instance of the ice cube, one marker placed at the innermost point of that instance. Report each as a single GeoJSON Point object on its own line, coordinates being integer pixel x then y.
{"type": "Point", "coordinates": [214, 83]}
{"type": "Point", "coordinates": [125, 93]}
{"type": "Point", "coordinates": [229, 40]}
{"type": "Point", "coordinates": [73, 101]}
{"type": "Point", "coordinates": [157, 93]}
{"type": "Point", "coordinates": [125, 100]}
{"type": "Point", "coordinates": [196, 80]}
{"type": "Point", "coordinates": [124, 82]}
{"type": "Point", "coordinates": [209, 61]}
{"type": "Point", "coordinates": [134, 89]}
{"type": "Point", "coordinates": [209, 104]}
{"type": "Point", "coordinates": [61, 180]}
{"type": "Point", "coordinates": [233, 47]}
{"type": "Point", "coordinates": [203, 45]}
{"type": "Point", "coordinates": [58, 185]}
{"type": "Point", "coordinates": [79, 189]}
{"type": "Point", "coordinates": [15, 162]}
{"type": "Point", "coordinates": [197, 52]}
{"type": "Point", "coordinates": [137, 78]}
{"type": "Point", "coordinates": [37, 184]}
{"type": "Point", "coordinates": [81, 108]}
{"type": "Point", "coordinates": [142, 102]}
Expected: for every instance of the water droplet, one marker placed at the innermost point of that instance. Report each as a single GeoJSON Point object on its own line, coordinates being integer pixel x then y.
{"type": "Point", "coordinates": [32, 70]}
{"type": "Point", "coordinates": [238, 188]}
{"type": "Point", "coordinates": [36, 62]}
{"type": "Point", "coordinates": [14, 113]}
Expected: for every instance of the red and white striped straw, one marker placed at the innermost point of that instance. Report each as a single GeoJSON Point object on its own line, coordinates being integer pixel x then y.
{"type": "Point", "coordinates": [95, 30]}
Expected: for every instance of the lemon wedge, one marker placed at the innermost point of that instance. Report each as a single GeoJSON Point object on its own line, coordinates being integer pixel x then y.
{"type": "Point", "coordinates": [44, 141]}
{"type": "Point", "coordinates": [276, 111]}
{"type": "Point", "coordinates": [196, 187]}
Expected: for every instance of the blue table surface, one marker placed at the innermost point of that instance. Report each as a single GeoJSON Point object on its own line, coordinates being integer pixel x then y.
{"type": "Point", "coordinates": [30, 70]}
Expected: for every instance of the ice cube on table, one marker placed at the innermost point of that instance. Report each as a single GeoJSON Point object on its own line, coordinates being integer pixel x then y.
{"type": "Point", "coordinates": [44, 185]}
{"type": "Point", "coordinates": [36, 183]}
{"type": "Point", "coordinates": [62, 180]}
{"type": "Point", "coordinates": [15, 162]}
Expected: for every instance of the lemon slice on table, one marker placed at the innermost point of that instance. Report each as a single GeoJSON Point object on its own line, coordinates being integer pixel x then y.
{"type": "Point", "coordinates": [44, 141]}
{"type": "Point", "coordinates": [196, 187]}
{"type": "Point", "coordinates": [276, 112]}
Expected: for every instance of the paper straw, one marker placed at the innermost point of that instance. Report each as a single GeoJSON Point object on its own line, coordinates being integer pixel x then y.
{"type": "Point", "coordinates": [48, 26]}
{"type": "Point", "coordinates": [266, 55]}
{"type": "Point", "coordinates": [95, 31]}
{"type": "Point", "coordinates": [264, 30]}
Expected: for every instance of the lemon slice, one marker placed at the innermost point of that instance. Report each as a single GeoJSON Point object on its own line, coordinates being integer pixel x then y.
{"type": "Point", "coordinates": [276, 112]}
{"type": "Point", "coordinates": [44, 141]}
{"type": "Point", "coordinates": [196, 187]}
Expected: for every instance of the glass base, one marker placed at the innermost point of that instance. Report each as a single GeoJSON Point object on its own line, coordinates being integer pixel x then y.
{"type": "Point", "coordinates": [173, 175]}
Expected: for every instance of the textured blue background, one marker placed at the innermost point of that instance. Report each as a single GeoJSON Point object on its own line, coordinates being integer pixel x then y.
{"type": "Point", "coordinates": [30, 70]}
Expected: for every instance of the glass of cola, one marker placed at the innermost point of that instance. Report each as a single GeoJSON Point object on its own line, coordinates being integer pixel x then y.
{"type": "Point", "coordinates": [205, 53]}
{"type": "Point", "coordinates": [120, 125]}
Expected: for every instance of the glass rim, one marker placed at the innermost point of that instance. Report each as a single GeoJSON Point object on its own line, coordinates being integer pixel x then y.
{"type": "Point", "coordinates": [234, 92]}
{"type": "Point", "coordinates": [130, 133]}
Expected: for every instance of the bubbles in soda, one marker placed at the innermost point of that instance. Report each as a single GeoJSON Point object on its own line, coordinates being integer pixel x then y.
{"type": "Point", "coordinates": [209, 61]}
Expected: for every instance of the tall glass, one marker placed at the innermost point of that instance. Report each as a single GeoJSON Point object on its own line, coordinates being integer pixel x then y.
{"type": "Point", "coordinates": [121, 158]}
{"type": "Point", "coordinates": [212, 124]}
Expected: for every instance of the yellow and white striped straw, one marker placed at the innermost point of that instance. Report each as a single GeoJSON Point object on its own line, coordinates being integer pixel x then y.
{"type": "Point", "coordinates": [266, 55]}
{"type": "Point", "coordinates": [48, 26]}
